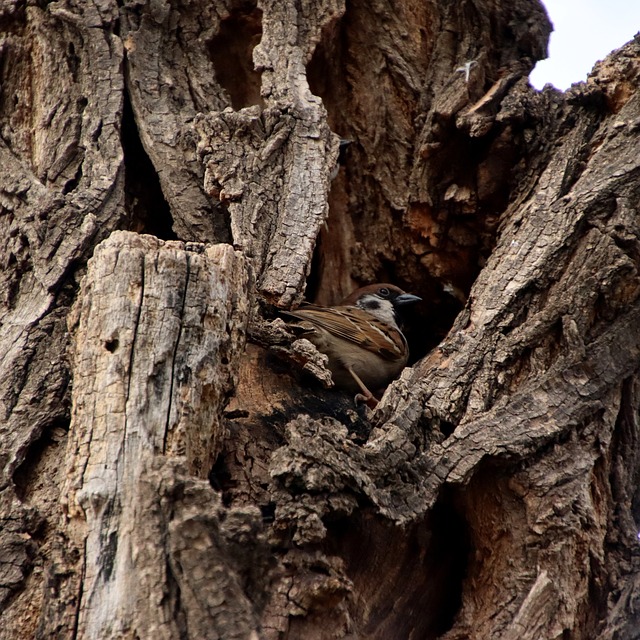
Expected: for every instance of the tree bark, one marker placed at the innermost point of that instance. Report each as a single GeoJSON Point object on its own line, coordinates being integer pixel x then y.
{"type": "Point", "coordinates": [175, 464]}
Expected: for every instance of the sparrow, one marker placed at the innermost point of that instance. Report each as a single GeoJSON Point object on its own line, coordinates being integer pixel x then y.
{"type": "Point", "coordinates": [361, 337]}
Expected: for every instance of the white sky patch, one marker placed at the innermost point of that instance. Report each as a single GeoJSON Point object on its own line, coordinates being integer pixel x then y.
{"type": "Point", "coordinates": [584, 31]}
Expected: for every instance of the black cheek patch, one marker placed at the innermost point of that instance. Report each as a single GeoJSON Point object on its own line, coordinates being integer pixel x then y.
{"type": "Point", "coordinates": [371, 304]}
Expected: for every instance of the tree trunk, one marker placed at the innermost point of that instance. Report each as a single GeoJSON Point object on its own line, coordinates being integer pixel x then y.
{"type": "Point", "coordinates": [175, 464]}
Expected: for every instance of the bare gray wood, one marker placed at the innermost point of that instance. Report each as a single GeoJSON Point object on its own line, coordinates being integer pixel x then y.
{"type": "Point", "coordinates": [160, 327]}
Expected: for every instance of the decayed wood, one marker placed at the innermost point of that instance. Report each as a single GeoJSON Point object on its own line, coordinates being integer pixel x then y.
{"type": "Point", "coordinates": [492, 492]}
{"type": "Point", "coordinates": [421, 197]}
{"type": "Point", "coordinates": [268, 170]}
{"type": "Point", "coordinates": [156, 350]}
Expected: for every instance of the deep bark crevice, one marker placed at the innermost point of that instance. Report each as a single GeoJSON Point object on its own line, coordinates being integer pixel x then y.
{"type": "Point", "coordinates": [406, 581]}
{"type": "Point", "coordinates": [221, 478]}
{"type": "Point", "coordinates": [147, 209]}
{"type": "Point", "coordinates": [231, 52]}
{"type": "Point", "coordinates": [365, 238]}
{"type": "Point", "coordinates": [26, 475]}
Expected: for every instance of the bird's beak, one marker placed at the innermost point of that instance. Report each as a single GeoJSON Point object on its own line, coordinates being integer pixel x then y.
{"type": "Point", "coordinates": [407, 298]}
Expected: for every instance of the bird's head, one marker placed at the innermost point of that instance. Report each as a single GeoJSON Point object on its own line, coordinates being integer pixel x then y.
{"type": "Point", "coordinates": [385, 301]}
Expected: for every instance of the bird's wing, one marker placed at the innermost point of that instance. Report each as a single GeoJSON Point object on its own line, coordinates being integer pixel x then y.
{"type": "Point", "coordinates": [355, 325]}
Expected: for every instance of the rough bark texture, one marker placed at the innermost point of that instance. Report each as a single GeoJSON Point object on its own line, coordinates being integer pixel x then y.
{"type": "Point", "coordinates": [160, 331]}
{"type": "Point", "coordinates": [174, 465]}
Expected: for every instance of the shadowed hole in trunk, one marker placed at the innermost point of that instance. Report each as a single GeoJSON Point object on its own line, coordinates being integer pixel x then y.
{"type": "Point", "coordinates": [148, 210]}
{"type": "Point", "coordinates": [407, 582]}
{"type": "Point", "coordinates": [231, 51]}
{"type": "Point", "coordinates": [348, 253]}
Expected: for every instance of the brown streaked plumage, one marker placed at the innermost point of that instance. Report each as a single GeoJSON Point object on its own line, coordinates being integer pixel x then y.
{"type": "Point", "coordinates": [361, 336]}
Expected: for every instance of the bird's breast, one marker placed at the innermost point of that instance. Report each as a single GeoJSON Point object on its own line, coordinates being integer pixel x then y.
{"type": "Point", "coordinates": [374, 370]}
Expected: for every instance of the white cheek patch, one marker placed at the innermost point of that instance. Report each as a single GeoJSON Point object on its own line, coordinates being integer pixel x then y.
{"type": "Point", "coordinates": [381, 309]}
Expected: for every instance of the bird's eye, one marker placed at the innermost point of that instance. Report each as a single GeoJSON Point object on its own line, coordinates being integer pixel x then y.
{"type": "Point", "coordinates": [384, 292]}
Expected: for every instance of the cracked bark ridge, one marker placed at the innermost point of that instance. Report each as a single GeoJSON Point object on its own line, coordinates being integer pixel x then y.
{"type": "Point", "coordinates": [61, 192]}
{"type": "Point", "coordinates": [271, 166]}
{"type": "Point", "coordinates": [67, 170]}
{"type": "Point", "coordinates": [211, 563]}
{"type": "Point", "coordinates": [160, 328]}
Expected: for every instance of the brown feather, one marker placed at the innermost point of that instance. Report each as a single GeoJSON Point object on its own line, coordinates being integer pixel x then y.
{"type": "Point", "coordinates": [346, 323]}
